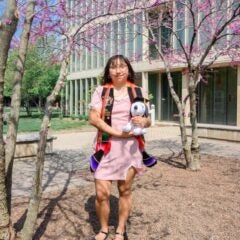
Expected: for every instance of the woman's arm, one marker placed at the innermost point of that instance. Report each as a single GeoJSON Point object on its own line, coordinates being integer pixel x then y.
{"type": "Point", "coordinates": [96, 121]}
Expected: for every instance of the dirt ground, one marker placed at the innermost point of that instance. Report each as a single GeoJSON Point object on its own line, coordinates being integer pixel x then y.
{"type": "Point", "coordinates": [170, 203]}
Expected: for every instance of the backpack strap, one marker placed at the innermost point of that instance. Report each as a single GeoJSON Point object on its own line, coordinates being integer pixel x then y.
{"type": "Point", "coordinates": [139, 92]}
{"type": "Point", "coordinates": [108, 99]}
{"type": "Point", "coordinates": [134, 91]}
{"type": "Point", "coordinates": [103, 139]}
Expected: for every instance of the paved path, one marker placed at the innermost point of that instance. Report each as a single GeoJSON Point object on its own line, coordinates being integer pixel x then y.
{"type": "Point", "coordinates": [72, 151]}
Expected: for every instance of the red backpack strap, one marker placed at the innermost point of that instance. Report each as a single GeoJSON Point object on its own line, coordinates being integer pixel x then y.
{"type": "Point", "coordinates": [134, 91]}
{"type": "Point", "coordinates": [103, 139]}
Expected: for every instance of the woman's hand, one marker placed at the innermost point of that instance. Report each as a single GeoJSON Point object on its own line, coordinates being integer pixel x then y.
{"type": "Point", "coordinates": [142, 122]}
{"type": "Point", "coordinates": [126, 134]}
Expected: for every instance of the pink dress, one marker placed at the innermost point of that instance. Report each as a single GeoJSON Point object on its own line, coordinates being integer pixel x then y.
{"type": "Point", "coordinates": [124, 152]}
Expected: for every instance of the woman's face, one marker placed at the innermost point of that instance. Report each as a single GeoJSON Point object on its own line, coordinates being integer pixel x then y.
{"type": "Point", "coordinates": [118, 72]}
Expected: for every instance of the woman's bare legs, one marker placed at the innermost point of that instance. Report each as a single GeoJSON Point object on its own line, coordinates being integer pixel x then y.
{"type": "Point", "coordinates": [125, 201]}
{"type": "Point", "coordinates": [103, 190]}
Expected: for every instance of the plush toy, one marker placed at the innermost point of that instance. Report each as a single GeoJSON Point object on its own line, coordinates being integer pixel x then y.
{"type": "Point", "coordinates": [138, 108]}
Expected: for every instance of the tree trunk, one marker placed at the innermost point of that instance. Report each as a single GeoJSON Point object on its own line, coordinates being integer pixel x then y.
{"type": "Point", "coordinates": [195, 162]}
{"type": "Point", "coordinates": [185, 144]}
{"type": "Point", "coordinates": [39, 105]}
{"type": "Point", "coordinates": [29, 225]}
{"type": "Point", "coordinates": [27, 107]}
{"type": "Point", "coordinates": [181, 111]}
{"type": "Point", "coordinates": [8, 25]}
{"type": "Point", "coordinates": [16, 99]}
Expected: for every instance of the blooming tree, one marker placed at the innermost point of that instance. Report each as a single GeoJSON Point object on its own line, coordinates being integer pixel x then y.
{"type": "Point", "coordinates": [197, 35]}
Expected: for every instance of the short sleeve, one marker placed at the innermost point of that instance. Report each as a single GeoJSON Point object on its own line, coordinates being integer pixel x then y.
{"type": "Point", "coordinates": [96, 99]}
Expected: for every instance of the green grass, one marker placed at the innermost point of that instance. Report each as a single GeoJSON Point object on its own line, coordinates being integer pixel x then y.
{"type": "Point", "coordinates": [60, 124]}
{"type": "Point", "coordinates": [33, 124]}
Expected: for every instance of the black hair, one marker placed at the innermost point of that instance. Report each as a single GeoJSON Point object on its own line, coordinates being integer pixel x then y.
{"type": "Point", "coordinates": [131, 73]}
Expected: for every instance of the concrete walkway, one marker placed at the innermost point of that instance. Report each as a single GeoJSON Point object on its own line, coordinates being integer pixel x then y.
{"type": "Point", "coordinates": [72, 151]}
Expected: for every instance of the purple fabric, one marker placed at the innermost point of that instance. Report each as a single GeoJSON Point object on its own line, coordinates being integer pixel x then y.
{"type": "Point", "coordinates": [93, 163]}
{"type": "Point", "coordinates": [149, 162]}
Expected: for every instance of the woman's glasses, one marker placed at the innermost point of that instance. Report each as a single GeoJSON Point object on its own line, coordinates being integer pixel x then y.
{"type": "Point", "coordinates": [120, 66]}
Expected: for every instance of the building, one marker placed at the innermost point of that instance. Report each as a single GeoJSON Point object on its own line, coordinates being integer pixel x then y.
{"type": "Point", "coordinates": [218, 105]}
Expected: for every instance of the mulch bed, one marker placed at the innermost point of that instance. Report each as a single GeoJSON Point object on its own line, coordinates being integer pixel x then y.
{"type": "Point", "coordinates": [170, 203]}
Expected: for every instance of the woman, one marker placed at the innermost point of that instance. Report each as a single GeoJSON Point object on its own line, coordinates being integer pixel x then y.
{"type": "Point", "coordinates": [124, 159]}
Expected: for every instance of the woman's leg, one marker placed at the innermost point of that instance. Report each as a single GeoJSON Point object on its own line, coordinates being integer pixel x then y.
{"type": "Point", "coordinates": [103, 190]}
{"type": "Point", "coordinates": [125, 200]}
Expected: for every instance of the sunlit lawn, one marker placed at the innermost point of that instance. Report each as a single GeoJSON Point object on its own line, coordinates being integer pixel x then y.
{"type": "Point", "coordinates": [34, 124]}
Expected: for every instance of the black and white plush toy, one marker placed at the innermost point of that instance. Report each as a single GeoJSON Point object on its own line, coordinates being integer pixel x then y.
{"type": "Point", "coordinates": [138, 108]}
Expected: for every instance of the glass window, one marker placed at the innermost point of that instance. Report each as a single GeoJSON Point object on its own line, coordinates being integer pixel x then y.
{"type": "Point", "coordinates": [95, 8]}
{"type": "Point", "coordinates": [101, 8]}
{"type": "Point", "coordinates": [77, 61]}
{"type": "Point", "coordinates": [221, 19]}
{"type": "Point", "coordinates": [78, 54]}
{"type": "Point", "coordinates": [122, 26]}
{"type": "Point", "coordinates": [83, 58]}
{"type": "Point", "coordinates": [155, 37]}
{"type": "Point", "coordinates": [218, 97]}
{"type": "Point", "coordinates": [74, 12]}
{"type": "Point", "coordinates": [95, 83]}
{"type": "Point", "coordinates": [95, 49]}
{"type": "Point", "coordinates": [89, 9]}
{"type": "Point", "coordinates": [73, 61]}
{"type": "Point", "coordinates": [79, 95]}
{"type": "Point", "coordinates": [83, 11]}
{"type": "Point", "coordinates": [189, 25]}
{"type": "Point", "coordinates": [68, 97]}
{"type": "Point", "coordinates": [115, 37]}
{"type": "Point", "coordinates": [139, 39]}
{"type": "Point", "coordinates": [108, 40]}
{"type": "Point", "coordinates": [180, 24]}
{"type": "Point", "coordinates": [205, 96]}
{"type": "Point", "coordinates": [169, 109]}
{"type": "Point", "coordinates": [89, 51]}
{"type": "Point", "coordinates": [232, 96]}
{"type": "Point", "coordinates": [166, 31]}
{"type": "Point", "coordinates": [130, 38]}
{"type": "Point", "coordinates": [101, 43]}
{"type": "Point", "coordinates": [73, 95]}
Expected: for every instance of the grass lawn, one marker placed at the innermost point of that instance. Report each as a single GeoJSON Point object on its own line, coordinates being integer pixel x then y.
{"type": "Point", "coordinates": [34, 124]}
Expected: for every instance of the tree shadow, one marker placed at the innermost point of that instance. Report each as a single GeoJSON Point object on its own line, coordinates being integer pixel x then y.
{"type": "Point", "coordinates": [168, 151]}
{"type": "Point", "coordinates": [49, 210]}
{"type": "Point", "coordinates": [20, 222]}
{"type": "Point", "coordinates": [62, 161]}
{"type": "Point", "coordinates": [173, 160]}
